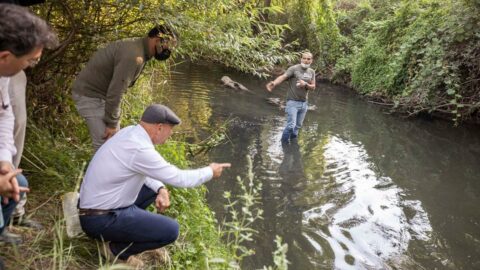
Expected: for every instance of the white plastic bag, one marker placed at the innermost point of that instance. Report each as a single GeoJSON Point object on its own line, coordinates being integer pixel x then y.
{"type": "Point", "coordinates": [70, 212]}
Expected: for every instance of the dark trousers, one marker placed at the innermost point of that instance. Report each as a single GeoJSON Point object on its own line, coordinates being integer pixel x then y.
{"type": "Point", "coordinates": [132, 230]}
{"type": "Point", "coordinates": [7, 209]}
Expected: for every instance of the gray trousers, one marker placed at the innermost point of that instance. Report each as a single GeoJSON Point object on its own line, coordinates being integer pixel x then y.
{"type": "Point", "coordinates": [93, 111]}
{"type": "Point", "coordinates": [17, 92]}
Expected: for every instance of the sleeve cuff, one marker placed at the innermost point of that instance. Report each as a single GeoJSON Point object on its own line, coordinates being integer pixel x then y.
{"type": "Point", "coordinates": [153, 184]}
{"type": "Point", "coordinates": [208, 173]}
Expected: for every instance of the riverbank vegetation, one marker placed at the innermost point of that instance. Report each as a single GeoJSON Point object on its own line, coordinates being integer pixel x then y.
{"type": "Point", "coordinates": [417, 57]}
{"type": "Point", "coordinates": [413, 56]}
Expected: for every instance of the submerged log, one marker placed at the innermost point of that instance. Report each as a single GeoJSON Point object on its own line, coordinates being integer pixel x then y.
{"type": "Point", "coordinates": [233, 84]}
{"type": "Point", "coordinates": [280, 103]}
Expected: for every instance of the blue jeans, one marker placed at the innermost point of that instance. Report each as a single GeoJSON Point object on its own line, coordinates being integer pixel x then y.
{"type": "Point", "coordinates": [7, 209]}
{"type": "Point", "coordinates": [296, 111]}
{"type": "Point", "coordinates": [132, 230]}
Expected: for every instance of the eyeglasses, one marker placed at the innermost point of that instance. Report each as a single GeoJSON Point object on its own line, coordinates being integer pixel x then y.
{"type": "Point", "coordinates": [33, 62]}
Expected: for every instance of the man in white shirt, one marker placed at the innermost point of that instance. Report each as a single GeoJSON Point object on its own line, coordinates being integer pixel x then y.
{"type": "Point", "coordinates": [22, 39]}
{"type": "Point", "coordinates": [125, 176]}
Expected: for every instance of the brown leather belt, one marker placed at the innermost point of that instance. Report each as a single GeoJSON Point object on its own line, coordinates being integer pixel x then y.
{"type": "Point", "coordinates": [93, 212]}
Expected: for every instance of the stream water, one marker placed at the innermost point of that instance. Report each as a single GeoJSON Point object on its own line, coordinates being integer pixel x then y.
{"type": "Point", "coordinates": [362, 189]}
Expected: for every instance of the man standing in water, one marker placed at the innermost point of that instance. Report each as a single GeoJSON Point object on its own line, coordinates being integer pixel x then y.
{"type": "Point", "coordinates": [301, 80]}
{"type": "Point", "coordinates": [99, 87]}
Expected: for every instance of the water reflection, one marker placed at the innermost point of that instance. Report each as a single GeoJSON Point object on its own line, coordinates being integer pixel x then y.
{"type": "Point", "coordinates": [290, 206]}
{"type": "Point", "coordinates": [364, 223]}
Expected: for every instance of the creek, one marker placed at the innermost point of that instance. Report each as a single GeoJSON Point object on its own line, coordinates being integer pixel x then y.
{"type": "Point", "coordinates": [362, 189]}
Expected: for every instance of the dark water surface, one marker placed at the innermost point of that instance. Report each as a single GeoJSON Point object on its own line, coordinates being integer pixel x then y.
{"type": "Point", "coordinates": [360, 190]}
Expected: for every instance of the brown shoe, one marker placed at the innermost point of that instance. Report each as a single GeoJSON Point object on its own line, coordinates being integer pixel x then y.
{"type": "Point", "coordinates": [160, 255]}
{"type": "Point", "coordinates": [133, 262]}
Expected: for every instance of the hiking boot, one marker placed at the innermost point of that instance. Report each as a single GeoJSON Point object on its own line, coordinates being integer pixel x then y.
{"type": "Point", "coordinates": [11, 238]}
{"type": "Point", "coordinates": [24, 221]}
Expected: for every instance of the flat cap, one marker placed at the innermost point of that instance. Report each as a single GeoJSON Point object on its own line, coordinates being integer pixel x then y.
{"type": "Point", "coordinates": [160, 114]}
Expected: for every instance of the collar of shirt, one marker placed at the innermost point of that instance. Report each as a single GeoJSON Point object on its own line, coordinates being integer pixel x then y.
{"type": "Point", "coordinates": [4, 82]}
{"type": "Point", "coordinates": [144, 135]}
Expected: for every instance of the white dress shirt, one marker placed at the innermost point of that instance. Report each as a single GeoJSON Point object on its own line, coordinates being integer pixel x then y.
{"type": "Point", "coordinates": [7, 144]}
{"type": "Point", "coordinates": [123, 164]}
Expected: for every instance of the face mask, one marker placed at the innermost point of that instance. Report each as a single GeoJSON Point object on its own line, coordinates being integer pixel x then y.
{"type": "Point", "coordinates": [305, 66]}
{"type": "Point", "coordinates": [161, 54]}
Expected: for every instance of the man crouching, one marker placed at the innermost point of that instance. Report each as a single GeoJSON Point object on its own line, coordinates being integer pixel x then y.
{"type": "Point", "coordinates": [125, 176]}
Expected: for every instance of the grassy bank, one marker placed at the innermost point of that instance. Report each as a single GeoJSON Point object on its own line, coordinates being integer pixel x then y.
{"type": "Point", "coordinates": [53, 160]}
{"type": "Point", "coordinates": [418, 57]}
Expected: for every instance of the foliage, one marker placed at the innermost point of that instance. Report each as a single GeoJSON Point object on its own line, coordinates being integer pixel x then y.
{"type": "Point", "coordinates": [420, 56]}
{"type": "Point", "coordinates": [279, 256]}
{"type": "Point", "coordinates": [217, 137]}
{"type": "Point", "coordinates": [238, 39]}
{"type": "Point", "coordinates": [84, 26]}
{"type": "Point", "coordinates": [199, 240]}
{"type": "Point", "coordinates": [313, 25]}
{"type": "Point", "coordinates": [243, 214]}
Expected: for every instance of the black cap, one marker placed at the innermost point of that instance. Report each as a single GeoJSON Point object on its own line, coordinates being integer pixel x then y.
{"type": "Point", "coordinates": [160, 114]}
